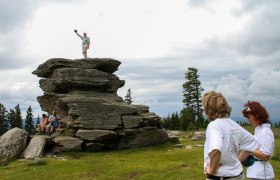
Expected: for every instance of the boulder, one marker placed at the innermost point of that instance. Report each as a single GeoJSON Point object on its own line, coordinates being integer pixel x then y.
{"type": "Point", "coordinates": [172, 132]}
{"type": "Point", "coordinates": [96, 135]}
{"type": "Point", "coordinates": [12, 143]}
{"type": "Point", "coordinates": [199, 136]}
{"type": "Point", "coordinates": [145, 136]}
{"type": "Point", "coordinates": [35, 148]}
{"type": "Point", "coordinates": [173, 138]}
{"type": "Point", "coordinates": [67, 143]}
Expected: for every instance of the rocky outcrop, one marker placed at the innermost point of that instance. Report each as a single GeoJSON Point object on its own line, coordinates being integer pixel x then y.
{"type": "Point", "coordinates": [199, 136]}
{"type": "Point", "coordinates": [84, 94]}
{"type": "Point", "coordinates": [66, 143]}
{"type": "Point", "coordinates": [145, 136]}
{"type": "Point", "coordinates": [35, 148]}
{"type": "Point", "coordinates": [12, 143]}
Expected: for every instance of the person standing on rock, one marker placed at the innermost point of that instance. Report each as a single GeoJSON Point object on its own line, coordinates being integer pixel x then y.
{"type": "Point", "coordinates": [85, 42]}
{"type": "Point", "coordinates": [224, 139]}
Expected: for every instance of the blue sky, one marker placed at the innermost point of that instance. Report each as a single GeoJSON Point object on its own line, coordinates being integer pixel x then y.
{"type": "Point", "coordinates": [234, 44]}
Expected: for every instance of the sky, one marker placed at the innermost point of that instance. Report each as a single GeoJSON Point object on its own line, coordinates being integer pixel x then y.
{"type": "Point", "coordinates": [234, 44]}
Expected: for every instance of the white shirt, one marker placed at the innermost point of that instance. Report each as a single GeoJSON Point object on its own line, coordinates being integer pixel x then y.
{"type": "Point", "coordinates": [52, 117]}
{"type": "Point", "coordinates": [265, 138]}
{"type": "Point", "coordinates": [229, 138]}
{"type": "Point", "coordinates": [86, 41]}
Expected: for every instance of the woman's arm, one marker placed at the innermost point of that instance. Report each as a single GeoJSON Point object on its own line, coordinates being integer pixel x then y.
{"type": "Point", "coordinates": [243, 155]}
{"type": "Point", "coordinates": [258, 154]}
{"type": "Point", "coordinates": [215, 157]}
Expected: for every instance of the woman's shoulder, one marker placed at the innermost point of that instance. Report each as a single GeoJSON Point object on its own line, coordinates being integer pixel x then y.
{"type": "Point", "coordinates": [264, 130]}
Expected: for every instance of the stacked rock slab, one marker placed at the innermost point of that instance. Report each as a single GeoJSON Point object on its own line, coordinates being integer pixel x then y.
{"type": "Point", "coordinates": [84, 94]}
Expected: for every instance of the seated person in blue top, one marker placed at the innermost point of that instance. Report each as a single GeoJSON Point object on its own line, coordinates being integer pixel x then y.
{"type": "Point", "coordinates": [55, 123]}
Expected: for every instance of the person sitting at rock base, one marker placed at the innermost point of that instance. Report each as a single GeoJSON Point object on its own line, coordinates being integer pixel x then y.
{"type": "Point", "coordinates": [44, 123]}
{"type": "Point", "coordinates": [55, 123]}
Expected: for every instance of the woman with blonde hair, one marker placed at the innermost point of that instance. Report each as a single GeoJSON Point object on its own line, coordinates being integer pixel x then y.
{"type": "Point", "coordinates": [224, 139]}
{"type": "Point", "coordinates": [259, 167]}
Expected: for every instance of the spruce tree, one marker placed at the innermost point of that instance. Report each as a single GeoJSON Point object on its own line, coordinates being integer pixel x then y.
{"type": "Point", "coordinates": [29, 124]}
{"type": "Point", "coordinates": [177, 120]}
{"type": "Point", "coordinates": [192, 97]}
{"type": "Point", "coordinates": [18, 117]}
{"type": "Point", "coordinates": [4, 124]}
{"type": "Point", "coordinates": [185, 119]}
{"type": "Point", "coordinates": [166, 122]}
{"type": "Point", "coordinates": [174, 121]}
{"type": "Point", "coordinates": [128, 97]}
{"type": "Point", "coordinates": [11, 118]}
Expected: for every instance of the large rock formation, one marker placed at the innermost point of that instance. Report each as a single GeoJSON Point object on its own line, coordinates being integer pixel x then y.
{"type": "Point", "coordinates": [84, 94]}
{"type": "Point", "coordinates": [12, 143]}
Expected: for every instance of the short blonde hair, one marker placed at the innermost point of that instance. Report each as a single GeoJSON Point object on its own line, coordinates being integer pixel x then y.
{"type": "Point", "coordinates": [215, 105]}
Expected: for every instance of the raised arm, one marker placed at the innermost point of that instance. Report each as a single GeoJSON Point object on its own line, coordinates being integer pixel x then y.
{"type": "Point", "coordinates": [79, 35]}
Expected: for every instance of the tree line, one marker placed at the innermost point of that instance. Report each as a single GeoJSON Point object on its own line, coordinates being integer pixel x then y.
{"type": "Point", "coordinates": [13, 118]}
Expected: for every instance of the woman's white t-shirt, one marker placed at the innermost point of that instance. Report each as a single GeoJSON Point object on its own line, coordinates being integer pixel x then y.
{"type": "Point", "coordinates": [265, 138]}
{"type": "Point", "coordinates": [229, 138]}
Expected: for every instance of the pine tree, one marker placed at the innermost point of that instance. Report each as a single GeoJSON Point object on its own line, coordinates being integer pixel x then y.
{"type": "Point", "coordinates": [185, 119]}
{"type": "Point", "coordinates": [128, 97]}
{"type": "Point", "coordinates": [177, 120]}
{"type": "Point", "coordinates": [18, 118]}
{"type": "Point", "coordinates": [166, 122]}
{"type": "Point", "coordinates": [29, 124]}
{"type": "Point", "coordinates": [4, 124]}
{"type": "Point", "coordinates": [192, 97]}
{"type": "Point", "coordinates": [174, 121]}
{"type": "Point", "coordinates": [11, 118]}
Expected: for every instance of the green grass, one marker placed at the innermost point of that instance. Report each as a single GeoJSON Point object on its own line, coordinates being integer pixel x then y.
{"type": "Point", "coordinates": [158, 162]}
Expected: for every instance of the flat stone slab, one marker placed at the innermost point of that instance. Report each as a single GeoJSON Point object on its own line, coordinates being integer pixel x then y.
{"type": "Point", "coordinates": [96, 135]}
{"type": "Point", "coordinates": [131, 121]}
{"type": "Point", "coordinates": [68, 143]}
{"type": "Point", "coordinates": [104, 64]}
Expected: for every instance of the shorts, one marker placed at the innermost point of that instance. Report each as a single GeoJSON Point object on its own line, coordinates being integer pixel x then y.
{"type": "Point", "coordinates": [55, 124]}
{"type": "Point", "coordinates": [85, 49]}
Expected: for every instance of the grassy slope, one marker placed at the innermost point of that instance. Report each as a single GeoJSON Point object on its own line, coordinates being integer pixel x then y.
{"type": "Point", "coordinates": [158, 162]}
